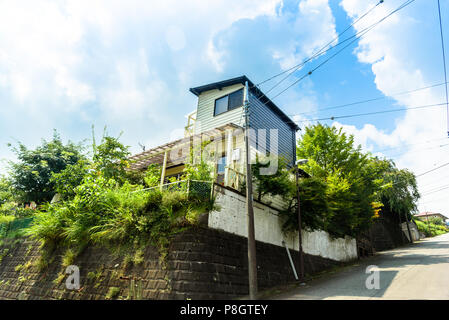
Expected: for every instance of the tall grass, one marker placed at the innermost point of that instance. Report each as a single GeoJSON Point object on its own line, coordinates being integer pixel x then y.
{"type": "Point", "coordinates": [103, 213]}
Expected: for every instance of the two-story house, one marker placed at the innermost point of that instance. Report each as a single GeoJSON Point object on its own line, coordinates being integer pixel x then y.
{"type": "Point", "coordinates": [219, 122]}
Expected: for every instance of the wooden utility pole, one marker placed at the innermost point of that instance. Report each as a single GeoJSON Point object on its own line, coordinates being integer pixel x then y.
{"type": "Point", "coordinates": [408, 228]}
{"type": "Point", "coordinates": [301, 254]}
{"type": "Point", "coordinates": [252, 264]}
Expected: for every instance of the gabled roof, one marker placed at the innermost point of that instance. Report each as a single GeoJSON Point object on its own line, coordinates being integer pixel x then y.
{"type": "Point", "coordinates": [425, 214]}
{"type": "Point", "coordinates": [262, 97]}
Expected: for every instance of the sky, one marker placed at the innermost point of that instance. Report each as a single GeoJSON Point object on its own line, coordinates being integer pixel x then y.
{"type": "Point", "coordinates": [128, 65]}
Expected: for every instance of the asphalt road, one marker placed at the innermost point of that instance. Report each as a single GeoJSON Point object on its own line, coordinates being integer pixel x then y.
{"type": "Point", "coordinates": [417, 271]}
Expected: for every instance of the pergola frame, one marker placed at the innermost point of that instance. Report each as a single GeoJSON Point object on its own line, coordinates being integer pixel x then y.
{"type": "Point", "coordinates": [165, 155]}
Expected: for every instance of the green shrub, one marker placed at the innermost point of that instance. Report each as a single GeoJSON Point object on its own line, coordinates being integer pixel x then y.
{"type": "Point", "coordinates": [112, 293]}
{"type": "Point", "coordinates": [4, 219]}
{"type": "Point", "coordinates": [110, 214]}
{"type": "Point", "coordinates": [430, 229]}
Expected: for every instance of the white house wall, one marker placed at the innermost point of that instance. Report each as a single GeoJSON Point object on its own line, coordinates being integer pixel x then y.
{"type": "Point", "coordinates": [231, 217]}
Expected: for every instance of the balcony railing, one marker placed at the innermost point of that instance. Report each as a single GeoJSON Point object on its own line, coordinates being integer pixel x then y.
{"type": "Point", "coordinates": [200, 188]}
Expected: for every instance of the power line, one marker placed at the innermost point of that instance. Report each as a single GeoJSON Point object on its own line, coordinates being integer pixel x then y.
{"type": "Point", "coordinates": [409, 145]}
{"type": "Point", "coordinates": [373, 113]}
{"type": "Point", "coordinates": [440, 178]}
{"type": "Point", "coordinates": [435, 188]}
{"type": "Point", "coordinates": [426, 194]}
{"type": "Point", "coordinates": [362, 33]}
{"type": "Point", "coordinates": [319, 52]}
{"type": "Point", "coordinates": [443, 165]}
{"type": "Point", "coordinates": [403, 152]}
{"type": "Point", "coordinates": [444, 65]}
{"type": "Point", "coordinates": [372, 99]}
{"type": "Point", "coordinates": [429, 201]}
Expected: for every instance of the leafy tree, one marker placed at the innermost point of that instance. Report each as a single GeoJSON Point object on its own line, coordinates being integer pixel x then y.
{"type": "Point", "coordinates": [352, 180]}
{"type": "Point", "coordinates": [277, 183]}
{"type": "Point", "coordinates": [313, 203]}
{"type": "Point", "coordinates": [400, 193]}
{"type": "Point", "coordinates": [72, 176]}
{"type": "Point", "coordinates": [111, 158]}
{"type": "Point", "coordinates": [6, 190]}
{"type": "Point", "coordinates": [314, 206]}
{"type": "Point", "coordinates": [31, 175]}
{"type": "Point", "coordinates": [153, 175]}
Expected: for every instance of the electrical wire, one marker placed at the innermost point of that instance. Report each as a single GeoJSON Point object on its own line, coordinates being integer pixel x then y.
{"type": "Point", "coordinates": [366, 30]}
{"type": "Point", "coordinates": [373, 113]}
{"type": "Point", "coordinates": [409, 145]}
{"type": "Point", "coordinates": [445, 188]}
{"type": "Point", "coordinates": [319, 52]}
{"type": "Point", "coordinates": [404, 152]}
{"type": "Point", "coordinates": [432, 170]}
{"type": "Point", "coordinates": [371, 99]}
{"type": "Point", "coordinates": [434, 188]}
{"type": "Point", "coordinates": [444, 65]}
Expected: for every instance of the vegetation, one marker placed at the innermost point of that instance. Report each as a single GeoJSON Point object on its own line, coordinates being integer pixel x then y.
{"type": "Point", "coordinates": [102, 204]}
{"type": "Point", "coordinates": [113, 293]}
{"type": "Point", "coordinates": [31, 175]}
{"type": "Point", "coordinates": [348, 188]}
{"type": "Point", "coordinates": [431, 228]}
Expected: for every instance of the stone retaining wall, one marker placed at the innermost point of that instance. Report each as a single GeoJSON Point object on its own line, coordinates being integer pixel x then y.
{"type": "Point", "coordinates": [201, 264]}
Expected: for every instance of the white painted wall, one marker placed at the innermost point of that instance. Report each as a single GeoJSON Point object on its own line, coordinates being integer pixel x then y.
{"type": "Point", "coordinates": [413, 230]}
{"type": "Point", "coordinates": [268, 228]}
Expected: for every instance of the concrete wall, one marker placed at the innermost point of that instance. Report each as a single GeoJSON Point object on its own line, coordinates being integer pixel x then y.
{"type": "Point", "coordinates": [413, 230]}
{"type": "Point", "coordinates": [268, 228]}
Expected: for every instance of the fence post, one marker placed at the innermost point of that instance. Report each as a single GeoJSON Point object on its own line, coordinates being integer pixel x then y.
{"type": "Point", "coordinates": [188, 188]}
{"type": "Point", "coordinates": [164, 165]}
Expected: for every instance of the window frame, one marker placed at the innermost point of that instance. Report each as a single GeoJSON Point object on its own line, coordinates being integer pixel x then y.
{"type": "Point", "coordinates": [227, 107]}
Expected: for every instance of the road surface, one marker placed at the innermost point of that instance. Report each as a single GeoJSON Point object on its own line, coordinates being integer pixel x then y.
{"type": "Point", "coordinates": [418, 271]}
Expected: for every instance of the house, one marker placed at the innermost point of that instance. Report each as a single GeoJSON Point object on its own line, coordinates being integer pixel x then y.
{"type": "Point", "coordinates": [424, 216]}
{"type": "Point", "coordinates": [215, 134]}
{"type": "Point", "coordinates": [217, 125]}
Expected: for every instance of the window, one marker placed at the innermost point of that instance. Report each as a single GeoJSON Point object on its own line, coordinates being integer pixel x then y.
{"type": "Point", "coordinates": [221, 165]}
{"type": "Point", "coordinates": [221, 170]}
{"type": "Point", "coordinates": [229, 102]}
{"type": "Point", "coordinates": [221, 105]}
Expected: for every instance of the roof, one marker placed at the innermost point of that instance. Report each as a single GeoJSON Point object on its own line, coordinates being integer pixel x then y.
{"type": "Point", "coordinates": [425, 214]}
{"type": "Point", "coordinates": [156, 155]}
{"type": "Point", "coordinates": [242, 79]}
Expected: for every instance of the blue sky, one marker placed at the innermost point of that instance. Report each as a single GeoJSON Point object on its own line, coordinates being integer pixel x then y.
{"type": "Point", "coordinates": [128, 65]}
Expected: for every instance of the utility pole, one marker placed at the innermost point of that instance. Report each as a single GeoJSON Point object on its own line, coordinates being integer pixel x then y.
{"type": "Point", "coordinates": [408, 228]}
{"type": "Point", "coordinates": [252, 264]}
{"type": "Point", "coordinates": [301, 254]}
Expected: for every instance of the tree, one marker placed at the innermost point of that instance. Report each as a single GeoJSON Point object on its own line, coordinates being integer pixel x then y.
{"type": "Point", "coordinates": [66, 181]}
{"type": "Point", "coordinates": [31, 175]}
{"type": "Point", "coordinates": [111, 158]}
{"type": "Point", "coordinates": [399, 193]}
{"type": "Point", "coordinates": [282, 182]}
{"type": "Point", "coordinates": [351, 179]}
{"type": "Point", "coordinates": [277, 183]}
{"type": "Point", "coordinates": [6, 190]}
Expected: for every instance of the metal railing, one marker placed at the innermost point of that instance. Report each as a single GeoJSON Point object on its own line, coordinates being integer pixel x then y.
{"type": "Point", "coordinates": [201, 188]}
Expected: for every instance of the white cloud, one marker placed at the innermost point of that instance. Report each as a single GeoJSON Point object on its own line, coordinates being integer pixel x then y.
{"type": "Point", "coordinates": [313, 26]}
{"type": "Point", "coordinates": [390, 51]}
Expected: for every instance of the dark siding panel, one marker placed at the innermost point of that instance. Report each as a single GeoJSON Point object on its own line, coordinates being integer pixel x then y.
{"type": "Point", "coordinates": [262, 117]}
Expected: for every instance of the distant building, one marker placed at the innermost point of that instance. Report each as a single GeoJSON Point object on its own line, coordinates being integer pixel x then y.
{"type": "Point", "coordinates": [427, 215]}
